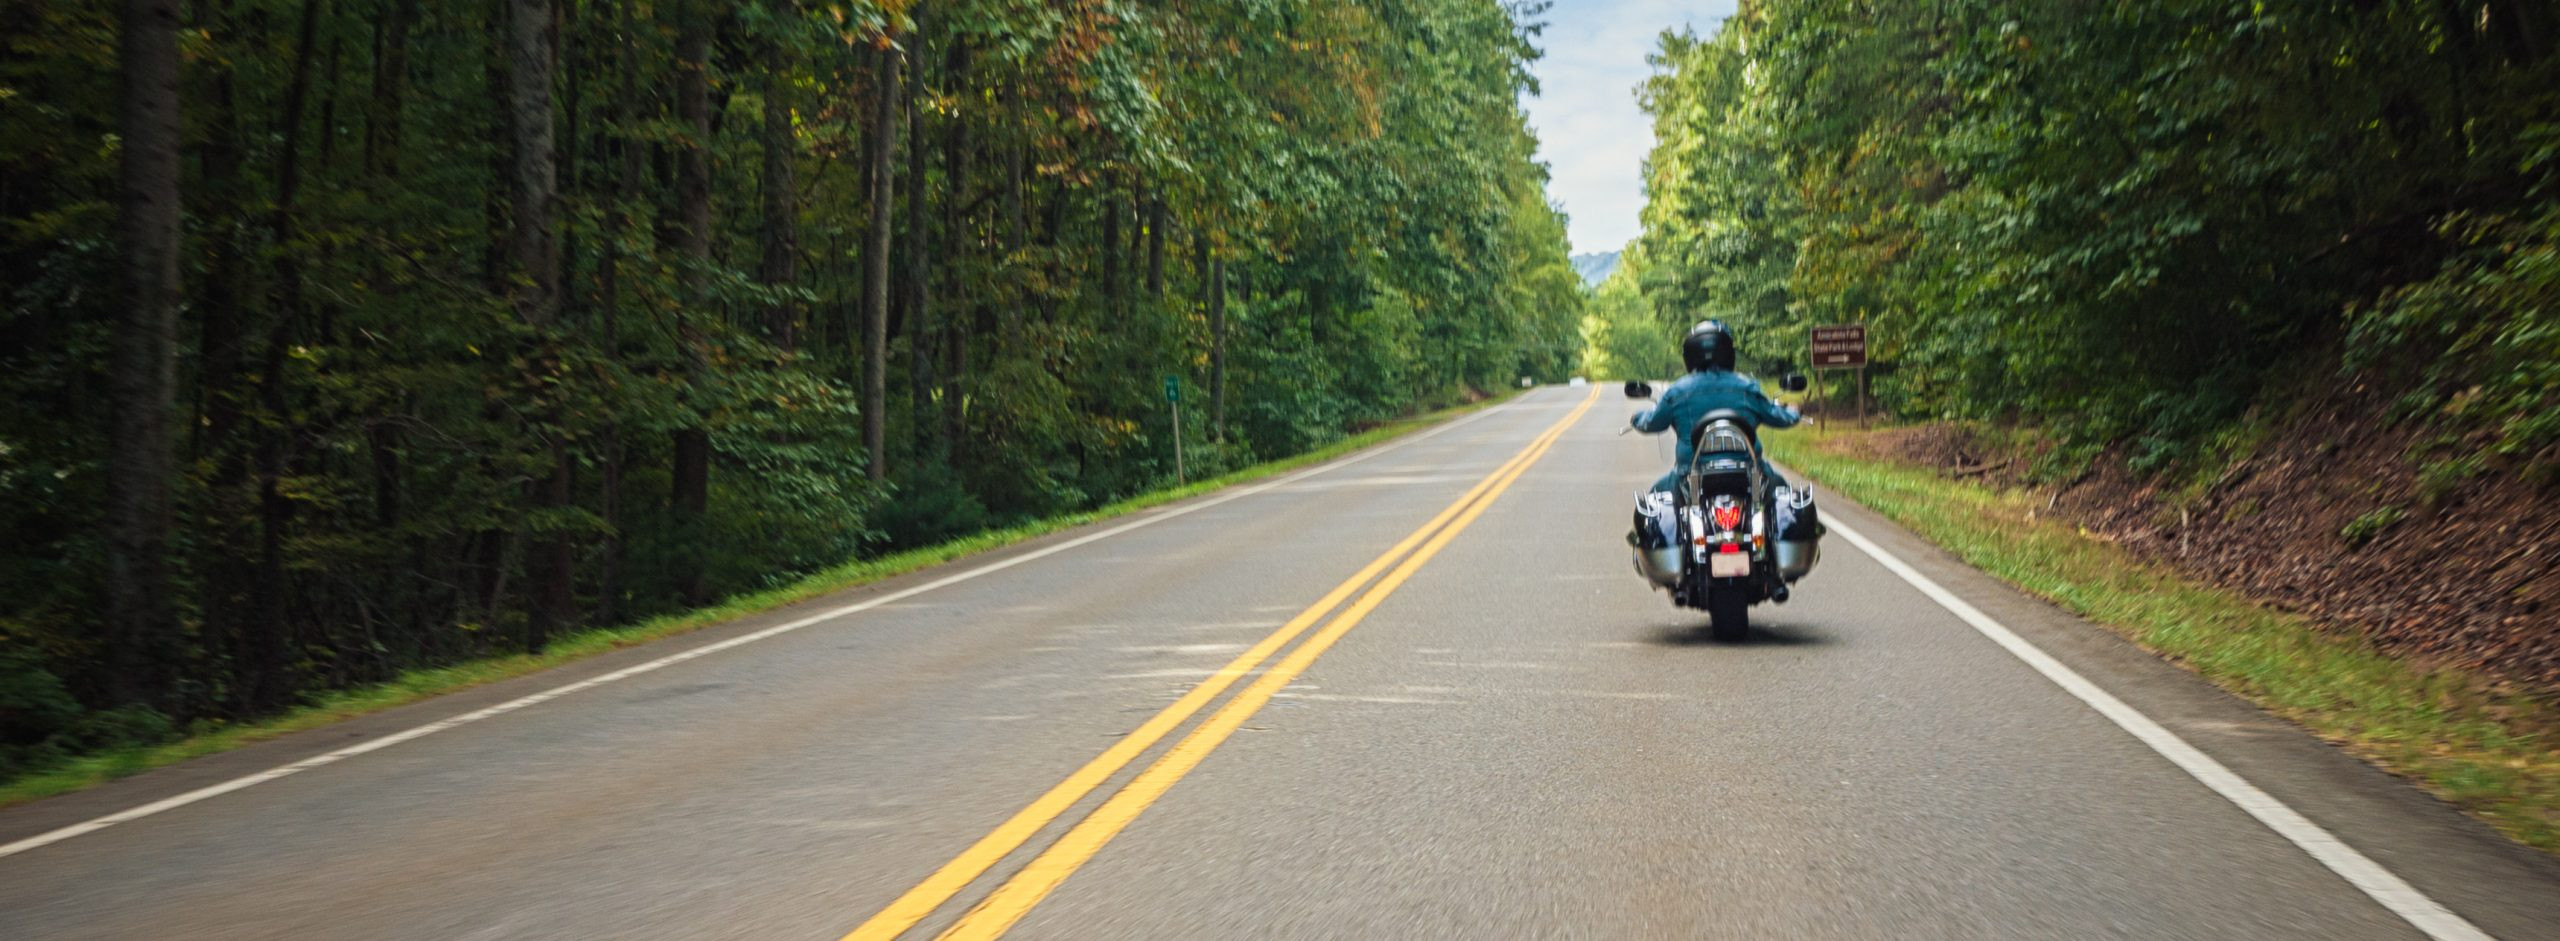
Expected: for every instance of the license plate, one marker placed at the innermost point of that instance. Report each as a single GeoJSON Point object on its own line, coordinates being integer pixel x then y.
{"type": "Point", "coordinates": [1728, 565]}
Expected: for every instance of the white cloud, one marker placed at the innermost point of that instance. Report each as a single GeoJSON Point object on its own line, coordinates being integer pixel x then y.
{"type": "Point", "coordinates": [1590, 131]}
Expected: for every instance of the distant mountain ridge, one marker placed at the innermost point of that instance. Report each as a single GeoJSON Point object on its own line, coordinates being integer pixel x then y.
{"type": "Point", "coordinates": [1594, 267]}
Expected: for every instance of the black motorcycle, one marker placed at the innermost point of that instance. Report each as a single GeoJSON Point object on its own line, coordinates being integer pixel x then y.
{"type": "Point", "coordinates": [1732, 541]}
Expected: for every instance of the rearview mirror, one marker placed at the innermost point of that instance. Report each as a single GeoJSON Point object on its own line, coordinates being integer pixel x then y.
{"type": "Point", "coordinates": [1792, 382]}
{"type": "Point", "coordinates": [1639, 389]}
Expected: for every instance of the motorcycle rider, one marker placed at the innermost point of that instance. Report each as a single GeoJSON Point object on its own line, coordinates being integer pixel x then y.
{"type": "Point", "coordinates": [1708, 352]}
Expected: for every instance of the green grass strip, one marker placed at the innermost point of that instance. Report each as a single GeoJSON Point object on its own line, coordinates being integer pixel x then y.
{"type": "Point", "coordinates": [414, 685]}
{"type": "Point", "coordinates": [2482, 745]}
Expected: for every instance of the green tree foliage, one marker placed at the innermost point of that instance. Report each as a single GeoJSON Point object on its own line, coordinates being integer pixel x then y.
{"type": "Point", "coordinates": [439, 395]}
{"type": "Point", "coordinates": [2118, 218]}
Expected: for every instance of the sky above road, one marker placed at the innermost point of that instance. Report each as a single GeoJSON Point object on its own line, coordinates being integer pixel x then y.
{"type": "Point", "coordinates": [1590, 132]}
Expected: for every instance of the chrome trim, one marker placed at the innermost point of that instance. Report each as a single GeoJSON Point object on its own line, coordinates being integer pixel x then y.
{"type": "Point", "coordinates": [1659, 566]}
{"type": "Point", "coordinates": [1797, 557]}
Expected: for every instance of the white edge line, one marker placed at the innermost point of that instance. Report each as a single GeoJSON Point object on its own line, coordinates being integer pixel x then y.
{"type": "Point", "coordinates": [250, 780]}
{"type": "Point", "coordinates": [2413, 906]}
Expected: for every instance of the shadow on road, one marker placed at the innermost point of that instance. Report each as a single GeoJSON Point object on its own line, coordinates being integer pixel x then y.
{"type": "Point", "coordinates": [1694, 634]}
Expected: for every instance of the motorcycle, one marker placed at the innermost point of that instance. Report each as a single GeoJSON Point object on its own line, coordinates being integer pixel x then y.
{"type": "Point", "coordinates": [1725, 540]}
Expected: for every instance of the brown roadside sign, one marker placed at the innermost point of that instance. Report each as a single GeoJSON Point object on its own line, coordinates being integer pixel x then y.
{"type": "Point", "coordinates": [1840, 347]}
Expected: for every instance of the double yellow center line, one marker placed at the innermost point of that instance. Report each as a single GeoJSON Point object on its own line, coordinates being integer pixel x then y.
{"type": "Point", "coordinates": [1015, 898]}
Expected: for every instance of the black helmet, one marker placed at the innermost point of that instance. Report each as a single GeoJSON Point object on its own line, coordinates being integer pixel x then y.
{"type": "Point", "coordinates": [1709, 345]}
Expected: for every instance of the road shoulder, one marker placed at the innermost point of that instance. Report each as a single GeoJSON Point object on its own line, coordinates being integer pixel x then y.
{"type": "Point", "coordinates": [2459, 861]}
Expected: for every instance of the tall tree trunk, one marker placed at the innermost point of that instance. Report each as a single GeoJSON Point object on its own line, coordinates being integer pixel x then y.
{"type": "Point", "coordinates": [141, 624]}
{"type": "Point", "coordinates": [259, 643]}
{"type": "Point", "coordinates": [1137, 225]}
{"type": "Point", "coordinates": [956, 242]}
{"type": "Point", "coordinates": [535, 248]}
{"type": "Point", "coordinates": [223, 320]}
{"type": "Point", "coordinates": [390, 86]}
{"type": "Point", "coordinates": [691, 490]}
{"type": "Point", "coordinates": [384, 449]}
{"type": "Point", "coordinates": [494, 252]}
{"type": "Point", "coordinates": [857, 330]}
{"type": "Point", "coordinates": [1015, 174]}
{"type": "Point", "coordinates": [329, 102]}
{"type": "Point", "coordinates": [533, 245]}
{"type": "Point", "coordinates": [875, 327]}
{"type": "Point", "coordinates": [919, 321]}
{"type": "Point", "coordinates": [616, 222]}
{"type": "Point", "coordinates": [780, 267]}
{"type": "Point", "coordinates": [483, 551]}
{"type": "Point", "coordinates": [1155, 246]}
{"type": "Point", "coordinates": [1217, 348]}
{"type": "Point", "coordinates": [1053, 224]}
{"type": "Point", "coordinates": [385, 110]}
{"type": "Point", "coordinates": [1111, 249]}
{"type": "Point", "coordinates": [575, 61]}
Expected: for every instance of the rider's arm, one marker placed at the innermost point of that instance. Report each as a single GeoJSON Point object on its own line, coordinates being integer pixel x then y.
{"type": "Point", "coordinates": [1772, 414]}
{"type": "Point", "coordinates": [1657, 419]}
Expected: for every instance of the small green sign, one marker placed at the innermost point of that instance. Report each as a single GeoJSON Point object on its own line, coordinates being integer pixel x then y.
{"type": "Point", "coordinates": [1172, 389]}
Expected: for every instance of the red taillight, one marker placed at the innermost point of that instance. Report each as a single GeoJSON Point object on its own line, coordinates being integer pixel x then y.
{"type": "Point", "coordinates": [1728, 518]}
{"type": "Point", "coordinates": [1730, 547]}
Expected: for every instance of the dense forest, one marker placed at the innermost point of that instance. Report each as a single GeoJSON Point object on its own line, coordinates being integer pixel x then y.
{"type": "Point", "coordinates": [346, 336]}
{"type": "Point", "coordinates": [2128, 223]}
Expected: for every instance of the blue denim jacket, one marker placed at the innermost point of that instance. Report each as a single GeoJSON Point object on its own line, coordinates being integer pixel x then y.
{"type": "Point", "coordinates": [1692, 396]}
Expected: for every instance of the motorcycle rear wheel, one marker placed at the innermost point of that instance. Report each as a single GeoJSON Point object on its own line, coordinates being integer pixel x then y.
{"type": "Point", "coordinates": [1728, 616]}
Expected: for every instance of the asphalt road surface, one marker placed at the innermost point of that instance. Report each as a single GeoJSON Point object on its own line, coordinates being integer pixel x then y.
{"type": "Point", "coordinates": [1415, 693]}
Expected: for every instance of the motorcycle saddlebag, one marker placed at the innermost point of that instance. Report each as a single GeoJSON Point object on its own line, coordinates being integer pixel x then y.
{"type": "Point", "coordinates": [1799, 543]}
{"type": "Point", "coordinates": [1657, 539]}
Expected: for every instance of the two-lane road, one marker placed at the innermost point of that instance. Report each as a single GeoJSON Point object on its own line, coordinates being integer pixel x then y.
{"type": "Point", "coordinates": [1414, 693]}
